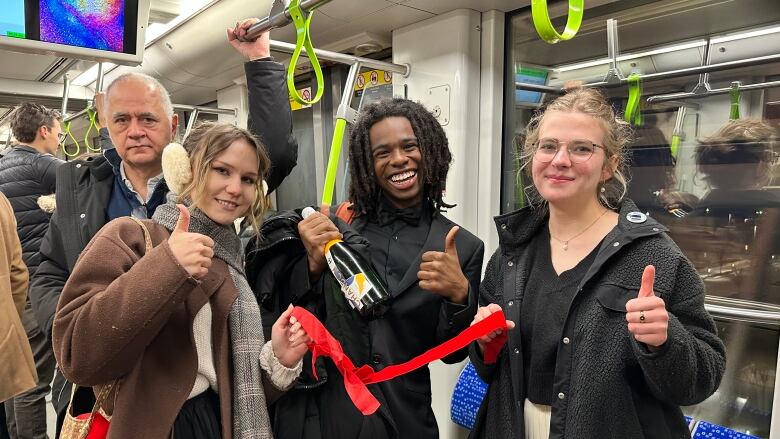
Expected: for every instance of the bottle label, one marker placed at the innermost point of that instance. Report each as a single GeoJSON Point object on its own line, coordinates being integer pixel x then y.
{"type": "Point", "coordinates": [353, 287]}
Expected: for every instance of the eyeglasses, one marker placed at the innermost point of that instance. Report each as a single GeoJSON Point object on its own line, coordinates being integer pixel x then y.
{"type": "Point", "coordinates": [61, 136]}
{"type": "Point", "coordinates": [579, 150]}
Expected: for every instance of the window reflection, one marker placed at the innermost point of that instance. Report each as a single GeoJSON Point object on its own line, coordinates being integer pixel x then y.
{"type": "Point", "coordinates": [732, 233]}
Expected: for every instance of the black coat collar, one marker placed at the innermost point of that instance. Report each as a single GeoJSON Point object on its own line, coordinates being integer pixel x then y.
{"type": "Point", "coordinates": [516, 228]}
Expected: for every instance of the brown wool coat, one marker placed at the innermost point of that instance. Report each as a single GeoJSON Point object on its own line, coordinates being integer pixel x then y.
{"type": "Point", "coordinates": [126, 315]}
{"type": "Point", "coordinates": [17, 368]}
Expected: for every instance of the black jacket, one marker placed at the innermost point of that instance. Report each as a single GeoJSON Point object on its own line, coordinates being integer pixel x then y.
{"type": "Point", "coordinates": [85, 188]}
{"type": "Point", "coordinates": [416, 321]}
{"type": "Point", "coordinates": [606, 385]}
{"type": "Point", "coordinates": [25, 175]}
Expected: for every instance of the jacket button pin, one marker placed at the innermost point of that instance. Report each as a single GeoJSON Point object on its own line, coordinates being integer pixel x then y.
{"type": "Point", "coordinates": [561, 396]}
{"type": "Point", "coordinates": [82, 216]}
{"type": "Point", "coordinates": [377, 359]}
{"type": "Point", "coordinates": [636, 217]}
{"type": "Point", "coordinates": [615, 244]}
{"type": "Point", "coordinates": [503, 226]}
{"type": "Point", "coordinates": [566, 340]}
{"type": "Point", "coordinates": [78, 165]}
{"type": "Point", "coordinates": [517, 351]}
{"type": "Point", "coordinates": [510, 263]}
{"type": "Point", "coordinates": [511, 303]}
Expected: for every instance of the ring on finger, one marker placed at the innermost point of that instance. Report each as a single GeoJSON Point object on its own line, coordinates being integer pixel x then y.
{"type": "Point", "coordinates": [641, 316]}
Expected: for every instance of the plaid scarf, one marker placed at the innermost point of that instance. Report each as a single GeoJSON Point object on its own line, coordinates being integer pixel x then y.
{"type": "Point", "coordinates": [250, 413]}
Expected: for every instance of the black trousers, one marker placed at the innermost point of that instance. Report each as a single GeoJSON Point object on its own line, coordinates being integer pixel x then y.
{"type": "Point", "coordinates": [26, 413]}
{"type": "Point", "coordinates": [199, 418]}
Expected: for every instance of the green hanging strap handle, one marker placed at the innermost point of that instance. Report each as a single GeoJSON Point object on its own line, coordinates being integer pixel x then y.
{"type": "Point", "coordinates": [302, 26]}
{"type": "Point", "coordinates": [333, 161]}
{"type": "Point", "coordinates": [675, 145]}
{"type": "Point", "coordinates": [544, 26]}
{"type": "Point", "coordinates": [633, 114]}
{"type": "Point", "coordinates": [66, 126]}
{"type": "Point", "coordinates": [92, 114]}
{"type": "Point", "coordinates": [735, 97]}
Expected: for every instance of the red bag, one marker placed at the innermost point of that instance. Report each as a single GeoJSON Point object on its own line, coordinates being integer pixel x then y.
{"type": "Point", "coordinates": [99, 428]}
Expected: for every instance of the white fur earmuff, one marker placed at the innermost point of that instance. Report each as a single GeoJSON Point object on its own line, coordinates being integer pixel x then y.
{"type": "Point", "coordinates": [47, 203]}
{"type": "Point", "coordinates": [176, 167]}
{"type": "Point", "coordinates": [177, 170]}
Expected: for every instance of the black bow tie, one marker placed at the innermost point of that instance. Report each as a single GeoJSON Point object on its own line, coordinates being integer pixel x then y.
{"type": "Point", "coordinates": [409, 215]}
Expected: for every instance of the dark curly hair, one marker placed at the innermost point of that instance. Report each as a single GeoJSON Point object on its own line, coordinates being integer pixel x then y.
{"type": "Point", "coordinates": [28, 117]}
{"type": "Point", "coordinates": [436, 157]}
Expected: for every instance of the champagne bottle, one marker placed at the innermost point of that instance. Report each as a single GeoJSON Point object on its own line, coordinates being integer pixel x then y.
{"type": "Point", "coordinates": [360, 283]}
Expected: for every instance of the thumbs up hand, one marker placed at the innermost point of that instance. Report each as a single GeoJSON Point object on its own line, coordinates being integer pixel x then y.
{"type": "Point", "coordinates": [440, 272]}
{"type": "Point", "coordinates": [647, 317]}
{"type": "Point", "coordinates": [192, 251]}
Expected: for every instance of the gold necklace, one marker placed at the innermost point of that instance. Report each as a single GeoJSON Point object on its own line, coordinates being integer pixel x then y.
{"type": "Point", "coordinates": [566, 242]}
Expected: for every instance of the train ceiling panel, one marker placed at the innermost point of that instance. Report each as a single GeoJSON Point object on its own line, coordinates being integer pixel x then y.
{"type": "Point", "coordinates": [443, 6]}
{"type": "Point", "coordinates": [346, 11]}
{"type": "Point", "coordinates": [23, 65]}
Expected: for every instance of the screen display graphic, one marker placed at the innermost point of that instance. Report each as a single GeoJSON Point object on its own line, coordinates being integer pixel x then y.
{"type": "Point", "coordinates": [96, 24]}
{"type": "Point", "coordinates": [12, 19]}
{"type": "Point", "coordinates": [530, 75]}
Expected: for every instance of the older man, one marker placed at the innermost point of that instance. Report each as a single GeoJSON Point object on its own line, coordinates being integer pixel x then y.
{"type": "Point", "coordinates": [127, 179]}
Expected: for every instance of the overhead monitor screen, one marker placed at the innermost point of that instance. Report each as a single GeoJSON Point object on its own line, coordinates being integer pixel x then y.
{"type": "Point", "coordinates": [530, 75]}
{"type": "Point", "coordinates": [101, 30]}
{"type": "Point", "coordinates": [12, 19]}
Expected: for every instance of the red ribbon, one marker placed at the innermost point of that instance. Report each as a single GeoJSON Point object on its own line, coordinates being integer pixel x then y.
{"type": "Point", "coordinates": [355, 379]}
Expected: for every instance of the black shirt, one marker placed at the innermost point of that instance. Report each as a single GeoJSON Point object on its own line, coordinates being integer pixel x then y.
{"type": "Point", "coordinates": [396, 238]}
{"type": "Point", "coordinates": [543, 313]}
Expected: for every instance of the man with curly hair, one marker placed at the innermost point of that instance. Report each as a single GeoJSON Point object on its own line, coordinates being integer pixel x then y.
{"type": "Point", "coordinates": [398, 161]}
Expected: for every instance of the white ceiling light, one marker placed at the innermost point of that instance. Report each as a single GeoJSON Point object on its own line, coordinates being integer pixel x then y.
{"type": "Point", "coordinates": [755, 33]}
{"type": "Point", "coordinates": [629, 56]}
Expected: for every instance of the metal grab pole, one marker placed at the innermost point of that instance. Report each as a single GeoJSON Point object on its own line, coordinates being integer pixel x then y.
{"type": "Point", "coordinates": [539, 88]}
{"type": "Point", "coordinates": [712, 92]}
{"type": "Point", "coordinates": [749, 62]}
{"type": "Point", "coordinates": [771, 317]}
{"type": "Point", "coordinates": [343, 58]}
{"type": "Point", "coordinates": [99, 80]}
{"type": "Point", "coordinates": [208, 110]}
{"type": "Point", "coordinates": [65, 92]}
{"type": "Point", "coordinates": [614, 75]}
{"type": "Point", "coordinates": [345, 114]}
{"type": "Point", "coordinates": [280, 19]}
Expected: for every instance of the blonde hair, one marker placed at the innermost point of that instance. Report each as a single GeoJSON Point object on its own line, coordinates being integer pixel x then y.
{"type": "Point", "coordinates": [617, 134]}
{"type": "Point", "coordinates": [204, 143]}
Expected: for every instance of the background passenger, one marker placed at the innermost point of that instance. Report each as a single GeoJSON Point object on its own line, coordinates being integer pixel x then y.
{"type": "Point", "coordinates": [652, 181]}
{"type": "Point", "coordinates": [127, 179]}
{"type": "Point", "coordinates": [612, 335]}
{"type": "Point", "coordinates": [28, 172]}
{"type": "Point", "coordinates": [721, 236]}
{"type": "Point", "coordinates": [18, 371]}
{"type": "Point", "coordinates": [128, 313]}
{"type": "Point", "coordinates": [737, 163]}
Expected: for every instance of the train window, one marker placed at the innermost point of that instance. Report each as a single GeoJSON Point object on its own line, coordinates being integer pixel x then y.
{"type": "Point", "coordinates": [713, 181]}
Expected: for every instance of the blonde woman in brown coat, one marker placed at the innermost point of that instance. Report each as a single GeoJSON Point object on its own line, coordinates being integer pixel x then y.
{"type": "Point", "coordinates": [17, 369]}
{"type": "Point", "coordinates": [177, 326]}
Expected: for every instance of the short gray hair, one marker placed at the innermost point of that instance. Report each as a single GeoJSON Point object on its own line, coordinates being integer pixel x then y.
{"type": "Point", "coordinates": [148, 80]}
